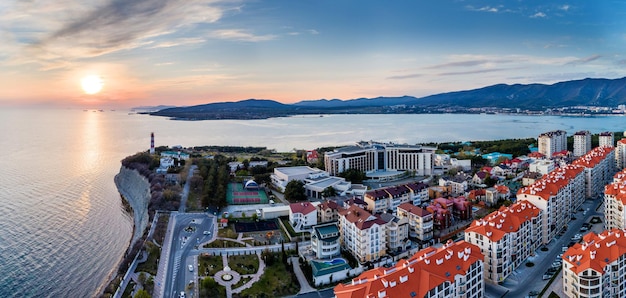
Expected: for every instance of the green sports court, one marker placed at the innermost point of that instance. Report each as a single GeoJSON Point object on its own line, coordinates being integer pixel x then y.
{"type": "Point", "coordinates": [238, 194]}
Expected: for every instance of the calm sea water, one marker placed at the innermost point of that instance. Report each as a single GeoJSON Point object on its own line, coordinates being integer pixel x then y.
{"type": "Point", "coordinates": [62, 225]}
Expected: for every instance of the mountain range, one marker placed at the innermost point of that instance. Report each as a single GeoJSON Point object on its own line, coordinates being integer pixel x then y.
{"type": "Point", "coordinates": [531, 97]}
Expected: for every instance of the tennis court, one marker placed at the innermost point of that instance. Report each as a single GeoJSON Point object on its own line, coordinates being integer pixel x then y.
{"type": "Point", "coordinates": [261, 225]}
{"type": "Point", "coordinates": [238, 195]}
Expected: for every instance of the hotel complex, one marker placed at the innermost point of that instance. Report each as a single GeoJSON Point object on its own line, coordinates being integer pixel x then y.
{"type": "Point", "coordinates": [381, 157]}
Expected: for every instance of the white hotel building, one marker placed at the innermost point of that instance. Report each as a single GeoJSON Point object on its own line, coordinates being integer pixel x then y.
{"type": "Point", "coordinates": [381, 157]}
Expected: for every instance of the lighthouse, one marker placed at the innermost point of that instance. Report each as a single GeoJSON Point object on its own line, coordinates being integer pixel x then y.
{"type": "Point", "coordinates": [151, 143]}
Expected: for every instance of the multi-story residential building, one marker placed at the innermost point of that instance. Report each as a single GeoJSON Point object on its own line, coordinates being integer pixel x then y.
{"type": "Point", "coordinates": [420, 221]}
{"type": "Point", "coordinates": [397, 233]}
{"type": "Point", "coordinates": [325, 242]}
{"type": "Point", "coordinates": [383, 199]}
{"type": "Point", "coordinates": [530, 178]}
{"type": "Point", "coordinates": [457, 183]}
{"type": "Point", "coordinates": [374, 156]}
{"type": "Point", "coordinates": [302, 215]}
{"type": "Point", "coordinates": [599, 169]}
{"type": "Point", "coordinates": [454, 270]}
{"type": "Point", "coordinates": [582, 143]}
{"type": "Point", "coordinates": [615, 202]}
{"type": "Point", "coordinates": [597, 266]}
{"type": "Point", "coordinates": [552, 141]}
{"type": "Point", "coordinates": [419, 192]}
{"type": "Point", "coordinates": [362, 234]}
{"type": "Point", "coordinates": [327, 211]}
{"type": "Point", "coordinates": [620, 154]}
{"type": "Point", "coordinates": [606, 139]}
{"type": "Point", "coordinates": [557, 194]}
{"type": "Point", "coordinates": [542, 166]}
{"type": "Point", "coordinates": [506, 238]}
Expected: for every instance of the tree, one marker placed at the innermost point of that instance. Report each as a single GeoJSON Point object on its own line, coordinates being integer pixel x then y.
{"type": "Point", "coordinates": [142, 294]}
{"type": "Point", "coordinates": [255, 216]}
{"type": "Point", "coordinates": [294, 191]}
{"type": "Point", "coordinates": [141, 278]}
{"type": "Point", "coordinates": [329, 192]}
{"type": "Point", "coordinates": [353, 175]}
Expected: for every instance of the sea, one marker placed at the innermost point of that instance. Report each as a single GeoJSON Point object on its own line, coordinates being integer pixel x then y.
{"type": "Point", "coordinates": [63, 229]}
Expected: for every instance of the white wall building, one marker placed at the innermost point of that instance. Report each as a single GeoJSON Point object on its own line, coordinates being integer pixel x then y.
{"type": "Point", "coordinates": [542, 166]}
{"type": "Point", "coordinates": [552, 141]}
{"type": "Point", "coordinates": [582, 143]}
{"type": "Point", "coordinates": [284, 175]}
{"type": "Point", "coordinates": [606, 139]}
{"type": "Point", "coordinates": [302, 215]}
{"type": "Point", "coordinates": [620, 154]}
{"type": "Point", "coordinates": [325, 242]}
{"type": "Point", "coordinates": [362, 234]}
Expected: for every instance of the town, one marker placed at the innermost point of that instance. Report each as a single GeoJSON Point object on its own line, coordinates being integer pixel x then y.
{"type": "Point", "coordinates": [384, 220]}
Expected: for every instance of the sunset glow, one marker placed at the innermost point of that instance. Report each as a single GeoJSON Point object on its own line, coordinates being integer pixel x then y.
{"type": "Point", "coordinates": [91, 84]}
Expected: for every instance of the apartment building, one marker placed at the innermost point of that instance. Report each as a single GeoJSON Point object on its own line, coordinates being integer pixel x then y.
{"type": "Point", "coordinates": [389, 198]}
{"type": "Point", "coordinates": [325, 242]}
{"type": "Point", "coordinates": [302, 215]}
{"type": "Point", "coordinates": [362, 234]}
{"type": "Point", "coordinates": [374, 156]}
{"type": "Point", "coordinates": [582, 143]}
{"type": "Point", "coordinates": [419, 192]}
{"type": "Point", "coordinates": [552, 141]}
{"type": "Point", "coordinates": [456, 184]}
{"type": "Point", "coordinates": [599, 169]}
{"type": "Point", "coordinates": [327, 211]}
{"type": "Point", "coordinates": [454, 270]}
{"type": "Point", "coordinates": [620, 154]}
{"type": "Point", "coordinates": [506, 238]}
{"type": "Point", "coordinates": [597, 266]}
{"type": "Point", "coordinates": [420, 221]}
{"type": "Point", "coordinates": [557, 194]}
{"type": "Point", "coordinates": [615, 202]}
{"type": "Point", "coordinates": [397, 235]}
{"type": "Point", "coordinates": [606, 139]}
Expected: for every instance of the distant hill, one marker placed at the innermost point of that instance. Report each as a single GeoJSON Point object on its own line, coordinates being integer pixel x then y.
{"type": "Point", "coordinates": [534, 97]}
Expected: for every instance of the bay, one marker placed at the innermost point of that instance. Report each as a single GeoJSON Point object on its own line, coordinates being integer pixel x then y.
{"type": "Point", "coordinates": [63, 229]}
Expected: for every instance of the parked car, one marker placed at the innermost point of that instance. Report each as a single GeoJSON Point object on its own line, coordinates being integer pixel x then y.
{"type": "Point", "coordinates": [191, 268]}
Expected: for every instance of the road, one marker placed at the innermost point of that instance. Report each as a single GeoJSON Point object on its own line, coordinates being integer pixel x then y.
{"type": "Point", "coordinates": [187, 232]}
{"type": "Point", "coordinates": [185, 193]}
{"type": "Point", "coordinates": [525, 279]}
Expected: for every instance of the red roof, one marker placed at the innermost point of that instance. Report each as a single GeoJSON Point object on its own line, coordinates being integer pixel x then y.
{"type": "Point", "coordinates": [424, 271]}
{"type": "Point", "coordinates": [360, 217]}
{"type": "Point", "coordinates": [408, 207]}
{"type": "Point", "coordinates": [506, 220]}
{"type": "Point", "coordinates": [536, 154]}
{"type": "Point", "coordinates": [596, 251]}
{"type": "Point", "coordinates": [304, 208]}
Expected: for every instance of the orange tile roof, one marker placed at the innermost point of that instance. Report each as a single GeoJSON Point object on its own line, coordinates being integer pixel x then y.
{"type": "Point", "coordinates": [408, 207]}
{"type": "Point", "coordinates": [619, 176]}
{"type": "Point", "coordinates": [505, 220]}
{"type": "Point", "coordinates": [616, 191]}
{"type": "Point", "coordinates": [304, 208]}
{"type": "Point", "coordinates": [596, 251]}
{"type": "Point", "coordinates": [424, 271]}
{"type": "Point", "coordinates": [593, 157]}
{"type": "Point", "coordinates": [622, 141]}
{"type": "Point", "coordinates": [553, 182]}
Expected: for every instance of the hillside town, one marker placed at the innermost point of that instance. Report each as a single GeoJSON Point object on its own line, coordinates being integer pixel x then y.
{"type": "Point", "coordinates": [422, 222]}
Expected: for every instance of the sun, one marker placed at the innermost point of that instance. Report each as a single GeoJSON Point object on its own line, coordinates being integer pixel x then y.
{"type": "Point", "coordinates": [92, 84]}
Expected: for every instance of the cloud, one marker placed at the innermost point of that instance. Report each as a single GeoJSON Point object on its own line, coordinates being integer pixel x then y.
{"type": "Point", "coordinates": [564, 7]}
{"type": "Point", "coordinates": [402, 77]}
{"type": "Point", "coordinates": [466, 63]}
{"type": "Point", "coordinates": [484, 8]}
{"type": "Point", "coordinates": [538, 15]}
{"type": "Point", "coordinates": [179, 42]}
{"type": "Point", "coordinates": [113, 26]}
{"type": "Point", "coordinates": [241, 35]}
{"type": "Point", "coordinates": [584, 60]}
{"type": "Point", "coordinates": [456, 73]}
{"type": "Point", "coordinates": [313, 31]}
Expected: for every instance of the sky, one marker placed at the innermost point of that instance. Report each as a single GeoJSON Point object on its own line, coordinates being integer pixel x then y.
{"type": "Point", "coordinates": [188, 52]}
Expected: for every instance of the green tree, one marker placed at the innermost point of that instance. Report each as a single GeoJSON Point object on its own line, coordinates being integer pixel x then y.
{"type": "Point", "coordinates": [329, 192]}
{"type": "Point", "coordinates": [294, 191]}
{"type": "Point", "coordinates": [142, 294]}
{"type": "Point", "coordinates": [353, 175]}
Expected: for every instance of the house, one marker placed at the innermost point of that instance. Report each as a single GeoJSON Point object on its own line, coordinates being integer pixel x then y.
{"type": "Point", "coordinates": [302, 215]}
{"type": "Point", "coordinates": [362, 234]}
{"type": "Point", "coordinates": [397, 235]}
{"type": "Point", "coordinates": [325, 242]}
{"type": "Point", "coordinates": [420, 221]}
{"type": "Point", "coordinates": [479, 177]}
{"type": "Point", "coordinates": [327, 211]}
{"type": "Point", "coordinates": [312, 156]}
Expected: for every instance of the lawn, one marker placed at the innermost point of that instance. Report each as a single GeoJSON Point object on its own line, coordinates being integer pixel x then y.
{"type": "Point", "coordinates": [246, 264]}
{"type": "Point", "coordinates": [209, 265]}
{"type": "Point", "coordinates": [209, 288]}
{"type": "Point", "coordinates": [227, 232]}
{"type": "Point", "coordinates": [223, 243]}
{"type": "Point", "coordinates": [150, 265]}
{"type": "Point", "coordinates": [241, 282]}
{"type": "Point", "coordinates": [275, 282]}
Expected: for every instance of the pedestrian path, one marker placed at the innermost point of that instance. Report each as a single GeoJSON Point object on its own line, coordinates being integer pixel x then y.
{"type": "Point", "coordinates": [227, 277]}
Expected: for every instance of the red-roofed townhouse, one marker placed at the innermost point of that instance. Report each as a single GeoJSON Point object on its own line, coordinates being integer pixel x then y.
{"type": "Point", "coordinates": [496, 193]}
{"type": "Point", "coordinates": [557, 194]}
{"type": "Point", "coordinates": [454, 270]}
{"type": "Point", "coordinates": [302, 215]}
{"type": "Point", "coordinates": [599, 169]}
{"type": "Point", "coordinates": [420, 221]}
{"type": "Point", "coordinates": [506, 238]}
{"type": "Point", "coordinates": [620, 154]}
{"type": "Point", "coordinates": [595, 267]}
{"type": "Point", "coordinates": [362, 234]}
{"type": "Point", "coordinates": [311, 156]}
{"type": "Point", "coordinates": [479, 177]}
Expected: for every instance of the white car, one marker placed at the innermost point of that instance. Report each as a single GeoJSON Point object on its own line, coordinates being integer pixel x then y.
{"type": "Point", "coordinates": [182, 295]}
{"type": "Point", "coordinates": [191, 268]}
{"type": "Point", "coordinates": [207, 233]}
